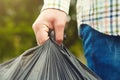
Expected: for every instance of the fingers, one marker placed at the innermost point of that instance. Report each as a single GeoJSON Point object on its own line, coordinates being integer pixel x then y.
{"type": "Point", "coordinates": [59, 33]}
{"type": "Point", "coordinates": [41, 33]}
{"type": "Point", "coordinates": [59, 26]}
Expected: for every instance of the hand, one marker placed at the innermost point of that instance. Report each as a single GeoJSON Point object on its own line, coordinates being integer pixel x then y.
{"type": "Point", "coordinates": [50, 19]}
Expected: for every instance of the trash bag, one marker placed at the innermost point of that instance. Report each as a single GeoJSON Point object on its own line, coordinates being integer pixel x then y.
{"type": "Point", "coordinates": [46, 62]}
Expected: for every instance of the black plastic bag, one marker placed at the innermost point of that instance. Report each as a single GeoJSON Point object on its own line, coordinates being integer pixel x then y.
{"type": "Point", "coordinates": [47, 62]}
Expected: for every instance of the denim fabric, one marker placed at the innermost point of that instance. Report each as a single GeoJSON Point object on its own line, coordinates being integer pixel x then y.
{"type": "Point", "coordinates": [102, 52]}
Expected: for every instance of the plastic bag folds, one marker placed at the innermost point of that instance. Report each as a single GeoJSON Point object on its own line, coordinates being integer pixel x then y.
{"type": "Point", "coordinates": [46, 62]}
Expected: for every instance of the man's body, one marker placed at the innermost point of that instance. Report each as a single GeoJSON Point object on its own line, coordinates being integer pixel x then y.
{"type": "Point", "coordinates": [98, 26]}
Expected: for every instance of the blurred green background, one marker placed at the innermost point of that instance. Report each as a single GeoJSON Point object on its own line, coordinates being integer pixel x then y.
{"type": "Point", "coordinates": [16, 34]}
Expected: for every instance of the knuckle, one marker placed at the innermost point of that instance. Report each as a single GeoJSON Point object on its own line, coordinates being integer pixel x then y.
{"type": "Point", "coordinates": [35, 26]}
{"type": "Point", "coordinates": [60, 24]}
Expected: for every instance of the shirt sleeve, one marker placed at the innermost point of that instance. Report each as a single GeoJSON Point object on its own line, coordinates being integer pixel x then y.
{"type": "Point", "coordinates": [57, 4]}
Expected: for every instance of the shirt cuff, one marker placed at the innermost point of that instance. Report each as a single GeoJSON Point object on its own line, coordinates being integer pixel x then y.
{"type": "Point", "coordinates": [62, 5]}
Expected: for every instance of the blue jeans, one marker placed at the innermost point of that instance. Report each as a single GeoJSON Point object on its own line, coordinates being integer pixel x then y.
{"type": "Point", "coordinates": [102, 52]}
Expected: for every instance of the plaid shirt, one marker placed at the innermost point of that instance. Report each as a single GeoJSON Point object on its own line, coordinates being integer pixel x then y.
{"type": "Point", "coordinates": [102, 15]}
